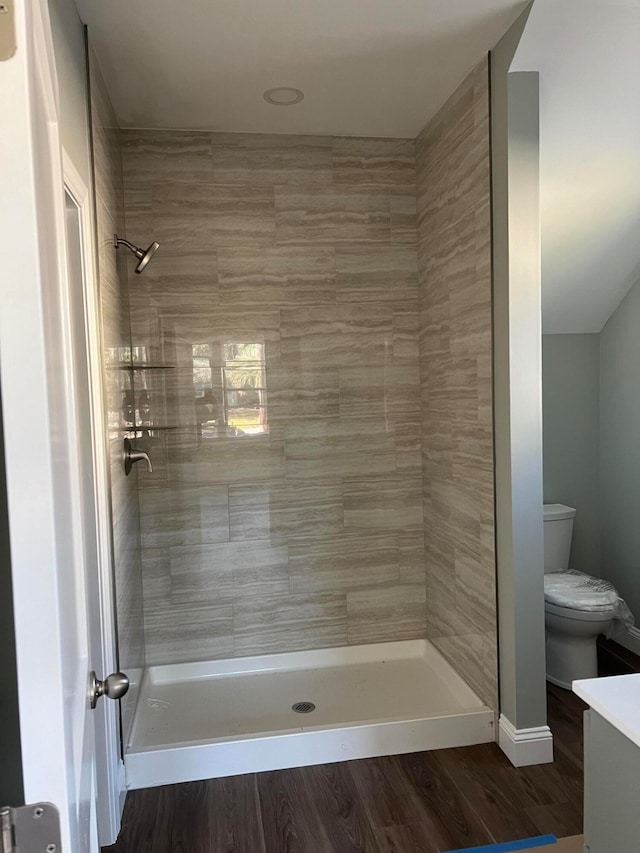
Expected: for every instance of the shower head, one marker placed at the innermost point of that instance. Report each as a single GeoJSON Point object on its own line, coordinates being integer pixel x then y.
{"type": "Point", "coordinates": [143, 255]}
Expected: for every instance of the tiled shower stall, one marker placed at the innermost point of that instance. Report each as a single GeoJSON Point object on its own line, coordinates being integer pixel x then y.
{"type": "Point", "coordinates": [309, 368]}
{"type": "Point", "coordinates": [286, 515]}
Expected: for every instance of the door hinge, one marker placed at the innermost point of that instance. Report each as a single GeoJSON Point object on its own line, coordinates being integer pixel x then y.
{"type": "Point", "coordinates": [8, 44]}
{"type": "Point", "coordinates": [30, 829]}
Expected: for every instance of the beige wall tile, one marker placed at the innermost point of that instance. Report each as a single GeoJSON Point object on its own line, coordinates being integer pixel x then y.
{"type": "Point", "coordinates": [307, 508]}
{"type": "Point", "coordinates": [466, 652]}
{"type": "Point", "coordinates": [179, 267]}
{"type": "Point", "coordinates": [202, 215]}
{"type": "Point", "coordinates": [331, 215]}
{"type": "Point", "coordinates": [383, 503]}
{"type": "Point", "coordinates": [166, 156]}
{"type": "Point", "coordinates": [243, 215]}
{"type": "Point", "coordinates": [183, 515]}
{"type": "Point", "coordinates": [404, 218]}
{"type": "Point", "coordinates": [271, 159]}
{"type": "Point", "coordinates": [454, 264]}
{"type": "Point", "coordinates": [188, 632]}
{"type": "Point", "coordinates": [408, 435]}
{"type": "Point", "coordinates": [349, 560]}
{"type": "Point", "coordinates": [392, 612]}
{"type": "Point", "coordinates": [260, 567]}
{"type": "Point", "coordinates": [276, 275]}
{"type": "Point", "coordinates": [285, 509]}
{"type": "Point", "coordinates": [272, 624]}
{"type": "Point", "coordinates": [331, 450]}
{"type": "Point", "coordinates": [197, 573]}
{"type": "Point", "coordinates": [386, 162]}
{"type": "Point", "coordinates": [406, 326]}
{"type": "Point", "coordinates": [377, 274]}
{"type": "Point", "coordinates": [250, 511]}
{"type": "Point", "coordinates": [196, 460]}
{"type": "Point", "coordinates": [183, 214]}
{"type": "Point", "coordinates": [230, 570]}
{"type": "Point", "coordinates": [336, 336]}
{"type": "Point", "coordinates": [411, 556]}
{"type": "Point", "coordinates": [379, 392]}
{"type": "Point", "coordinates": [300, 389]}
{"type": "Point", "coordinates": [176, 631]}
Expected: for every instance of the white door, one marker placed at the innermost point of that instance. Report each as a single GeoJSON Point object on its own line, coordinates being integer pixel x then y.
{"type": "Point", "coordinates": [47, 429]}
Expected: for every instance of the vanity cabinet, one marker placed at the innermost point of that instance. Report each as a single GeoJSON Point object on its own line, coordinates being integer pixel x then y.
{"type": "Point", "coordinates": [611, 788]}
{"type": "Point", "coordinates": [611, 764]}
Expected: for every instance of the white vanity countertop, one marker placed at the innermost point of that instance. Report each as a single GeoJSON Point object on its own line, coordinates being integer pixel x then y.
{"type": "Point", "coordinates": [617, 699]}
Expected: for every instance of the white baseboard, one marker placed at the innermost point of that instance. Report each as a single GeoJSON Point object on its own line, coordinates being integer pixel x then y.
{"type": "Point", "coordinates": [524, 747]}
{"type": "Point", "coordinates": [630, 640]}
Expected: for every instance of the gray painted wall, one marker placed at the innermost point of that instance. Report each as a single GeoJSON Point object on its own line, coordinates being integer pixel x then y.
{"type": "Point", "coordinates": [620, 448]}
{"type": "Point", "coordinates": [587, 54]}
{"type": "Point", "coordinates": [518, 385]}
{"type": "Point", "coordinates": [570, 406]}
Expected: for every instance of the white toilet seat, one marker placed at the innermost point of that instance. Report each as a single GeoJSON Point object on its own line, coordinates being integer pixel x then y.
{"type": "Point", "coordinates": [571, 590]}
{"type": "Point", "coordinates": [577, 608]}
{"type": "Point", "coordinates": [603, 614]}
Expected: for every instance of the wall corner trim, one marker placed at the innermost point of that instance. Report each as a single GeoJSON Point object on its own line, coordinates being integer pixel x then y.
{"type": "Point", "coordinates": [524, 747]}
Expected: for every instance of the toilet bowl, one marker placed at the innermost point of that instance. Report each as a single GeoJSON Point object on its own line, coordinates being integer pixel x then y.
{"type": "Point", "coordinates": [578, 607]}
{"type": "Point", "coordinates": [570, 639]}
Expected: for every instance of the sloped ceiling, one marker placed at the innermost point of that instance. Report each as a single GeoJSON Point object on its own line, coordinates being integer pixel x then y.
{"type": "Point", "coordinates": [367, 67]}
{"type": "Point", "coordinates": [588, 56]}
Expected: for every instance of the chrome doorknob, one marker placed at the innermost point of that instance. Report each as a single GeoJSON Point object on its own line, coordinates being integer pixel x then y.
{"type": "Point", "coordinates": [113, 687]}
{"type": "Point", "coordinates": [131, 454]}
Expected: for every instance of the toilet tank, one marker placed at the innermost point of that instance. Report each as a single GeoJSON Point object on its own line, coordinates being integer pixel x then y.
{"type": "Point", "coordinates": [558, 529]}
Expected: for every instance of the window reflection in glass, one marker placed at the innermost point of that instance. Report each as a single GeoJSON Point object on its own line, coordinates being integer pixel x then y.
{"type": "Point", "coordinates": [230, 395]}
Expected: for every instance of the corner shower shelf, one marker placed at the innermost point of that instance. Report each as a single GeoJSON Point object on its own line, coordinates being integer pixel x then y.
{"type": "Point", "coordinates": [153, 366]}
{"type": "Point", "coordinates": [134, 366]}
{"type": "Point", "coordinates": [147, 428]}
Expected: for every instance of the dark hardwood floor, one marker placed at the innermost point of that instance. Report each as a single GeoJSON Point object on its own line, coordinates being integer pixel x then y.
{"type": "Point", "coordinates": [427, 802]}
{"type": "Point", "coordinates": [614, 659]}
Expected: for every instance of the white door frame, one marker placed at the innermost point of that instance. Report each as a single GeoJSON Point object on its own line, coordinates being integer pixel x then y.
{"type": "Point", "coordinates": [53, 563]}
{"type": "Point", "coordinates": [110, 776]}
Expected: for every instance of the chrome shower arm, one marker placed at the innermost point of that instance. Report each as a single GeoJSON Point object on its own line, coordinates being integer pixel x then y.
{"type": "Point", "coordinates": [120, 241]}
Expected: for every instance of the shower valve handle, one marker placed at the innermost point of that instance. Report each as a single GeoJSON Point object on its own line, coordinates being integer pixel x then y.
{"type": "Point", "coordinates": [132, 454]}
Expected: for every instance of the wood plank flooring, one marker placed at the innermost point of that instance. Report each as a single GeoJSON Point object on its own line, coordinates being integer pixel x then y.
{"type": "Point", "coordinates": [614, 659]}
{"type": "Point", "coordinates": [425, 802]}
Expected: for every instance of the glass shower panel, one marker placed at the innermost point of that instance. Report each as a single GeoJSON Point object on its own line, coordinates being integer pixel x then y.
{"type": "Point", "coordinates": [121, 412]}
{"type": "Point", "coordinates": [283, 412]}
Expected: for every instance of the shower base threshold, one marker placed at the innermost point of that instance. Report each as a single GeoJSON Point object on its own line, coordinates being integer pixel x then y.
{"type": "Point", "coordinates": [227, 717]}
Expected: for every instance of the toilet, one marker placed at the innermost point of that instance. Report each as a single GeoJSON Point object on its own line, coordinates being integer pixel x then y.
{"type": "Point", "coordinates": [578, 607]}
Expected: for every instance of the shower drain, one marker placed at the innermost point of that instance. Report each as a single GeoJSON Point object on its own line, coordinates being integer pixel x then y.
{"type": "Point", "coordinates": [303, 707]}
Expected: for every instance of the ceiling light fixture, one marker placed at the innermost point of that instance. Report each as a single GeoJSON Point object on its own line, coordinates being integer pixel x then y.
{"type": "Point", "coordinates": [283, 96]}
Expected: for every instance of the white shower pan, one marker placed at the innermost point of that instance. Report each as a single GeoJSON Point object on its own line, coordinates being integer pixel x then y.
{"type": "Point", "coordinates": [227, 717]}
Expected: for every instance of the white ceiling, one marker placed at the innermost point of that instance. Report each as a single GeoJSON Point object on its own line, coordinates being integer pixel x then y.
{"type": "Point", "coordinates": [367, 67]}
{"type": "Point", "coordinates": [588, 55]}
